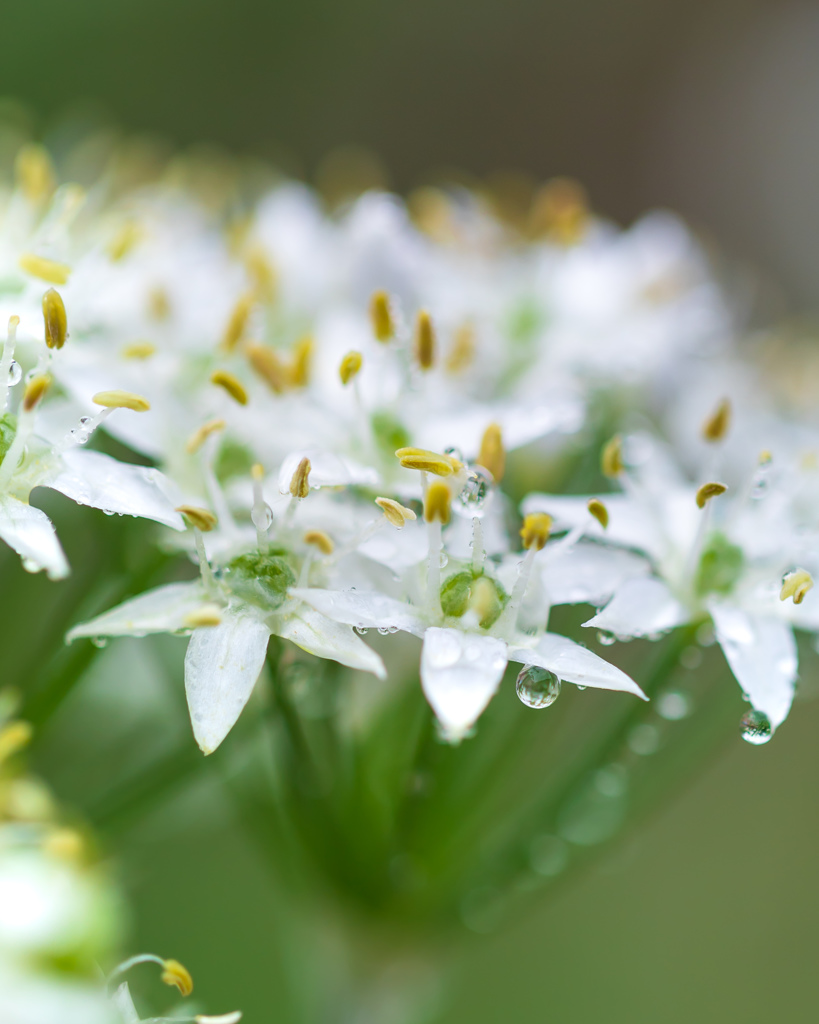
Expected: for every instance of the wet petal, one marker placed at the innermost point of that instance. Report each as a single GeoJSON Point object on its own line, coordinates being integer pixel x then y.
{"type": "Point", "coordinates": [317, 634]}
{"type": "Point", "coordinates": [573, 663]}
{"type": "Point", "coordinates": [762, 654]}
{"type": "Point", "coordinates": [640, 607]}
{"type": "Point", "coordinates": [29, 531]}
{"type": "Point", "coordinates": [161, 610]}
{"type": "Point", "coordinates": [222, 665]}
{"type": "Point", "coordinates": [91, 478]}
{"type": "Point", "coordinates": [460, 673]}
{"type": "Point", "coordinates": [365, 608]}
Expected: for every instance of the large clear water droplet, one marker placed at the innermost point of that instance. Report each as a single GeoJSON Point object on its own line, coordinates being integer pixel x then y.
{"type": "Point", "coordinates": [262, 517]}
{"type": "Point", "coordinates": [15, 373]}
{"type": "Point", "coordinates": [606, 639]}
{"type": "Point", "coordinates": [755, 727]}
{"type": "Point", "coordinates": [537, 687]}
{"type": "Point", "coordinates": [474, 494]}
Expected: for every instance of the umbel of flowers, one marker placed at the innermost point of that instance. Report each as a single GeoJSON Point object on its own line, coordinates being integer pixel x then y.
{"type": "Point", "coordinates": [415, 418]}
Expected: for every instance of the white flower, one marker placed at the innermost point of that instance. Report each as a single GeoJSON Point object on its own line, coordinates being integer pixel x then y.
{"type": "Point", "coordinates": [714, 555]}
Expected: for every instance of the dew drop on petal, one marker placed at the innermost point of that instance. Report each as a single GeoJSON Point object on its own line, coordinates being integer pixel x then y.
{"type": "Point", "coordinates": [606, 639]}
{"type": "Point", "coordinates": [15, 373]}
{"type": "Point", "coordinates": [361, 630]}
{"type": "Point", "coordinates": [443, 559]}
{"type": "Point", "coordinates": [537, 687]}
{"type": "Point", "coordinates": [99, 641]}
{"type": "Point", "coordinates": [30, 565]}
{"type": "Point", "coordinates": [383, 630]}
{"type": "Point", "coordinates": [755, 727]}
{"type": "Point", "coordinates": [580, 687]}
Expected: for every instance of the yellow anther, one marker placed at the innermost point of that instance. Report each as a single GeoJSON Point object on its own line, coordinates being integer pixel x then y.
{"type": "Point", "coordinates": [301, 362]}
{"type": "Point", "coordinates": [484, 600]}
{"type": "Point", "coordinates": [611, 458]}
{"type": "Point", "coordinates": [796, 584]}
{"type": "Point", "coordinates": [269, 366]}
{"type": "Point", "coordinates": [765, 457]}
{"type": "Point", "coordinates": [257, 471]}
{"type": "Point", "coordinates": [492, 455]}
{"type": "Point", "coordinates": [462, 352]}
{"type": "Point", "coordinates": [200, 518]}
{"type": "Point", "coordinates": [350, 367]}
{"type": "Point", "coordinates": [438, 502]}
{"type": "Point", "coordinates": [599, 511]}
{"type": "Point", "coordinates": [709, 491]}
{"type": "Point", "coordinates": [121, 400]}
{"type": "Point", "coordinates": [231, 384]}
{"type": "Point", "coordinates": [237, 323]}
{"type": "Point", "coordinates": [207, 615]}
{"type": "Point", "coordinates": [124, 240]}
{"type": "Point", "coordinates": [46, 270]}
{"type": "Point", "coordinates": [560, 211]}
{"type": "Point", "coordinates": [54, 318]}
{"type": "Point", "coordinates": [261, 272]}
{"type": "Point", "coordinates": [428, 462]}
{"type": "Point", "coordinates": [34, 172]}
{"type": "Point", "coordinates": [381, 316]}
{"type": "Point", "coordinates": [159, 304]}
{"type": "Point", "coordinates": [395, 513]}
{"type": "Point", "coordinates": [319, 539]}
{"type": "Point", "coordinates": [718, 423]}
{"type": "Point", "coordinates": [13, 738]}
{"type": "Point", "coordinates": [424, 343]}
{"type": "Point", "coordinates": [139, 350]}
{"type": "Point", "coordinates": [535, 530]}
{"type": "Point", "coordinates": [300, 481]}
{"type": "Point", "coordinates": [65, 844]}
{"type": "Point", "coordinates": [173, 973]}
{"type": "Point", "coordinates": [35, 389]}
{"type": "Point", "coordinates": [198, 437]}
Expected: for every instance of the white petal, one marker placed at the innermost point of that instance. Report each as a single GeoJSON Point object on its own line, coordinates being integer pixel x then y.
{"type": "Point", "coordinates": [588, 573]}
{"type": "Point", "coordinates": [326, 470]}
{"type": "Point", "coordinates": [520, 423]}
{"type": "Point", "coordinates": [575, 664]}
{"type": "Point", "coordinates": [762, 654]}
{"type": "Point", "coordinates": [319, 635]}
{"type": "Point", "coordinates": [161, 610]}
{"type": "Point", "coordinates": [125, 1004]}
{"type": "Point", "coordinates": [30, 532]}
{"type": "Point", "coordinates": [366, 608]}
{"type": "Point", "coordinates": [91, 478]}
{"type": "Point", "coordinates": [640, 607]}
{"type": "Point", "coordinates": [460, 673]}
{"type": "Point", "coordinates": [222, 665]}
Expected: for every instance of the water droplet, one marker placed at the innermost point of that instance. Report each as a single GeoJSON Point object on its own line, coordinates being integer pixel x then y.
{"type": "Point", "coordinates": [392, 629]}
{"type": "Point", "coordinates": [472, 499]}
{"type": "Point", "coordinates": [383, 630]}
{"type": "Point", "coordinates": [580, 687]}
{"type": "Point", "coordinates": [262, 516]}
{"type": "Point", "coordinates": [606, 639]}
{"type": "Point", "coordinates": [548, 855]}
{"type": "Point", "coordinates": [756, 727]}
{"type": "Point", "coordinates": [644, 739]}
{"type": "Point", "coordinates": [30, 565]}
{"type": "Point", "coordinates": [15, 373]}
{"type": "Point", "coordinates": [673, 705]}
{"type": "Point", "coordinates": [99, 641]}
{"type": "Point", "coordinates": [443, 559]}
{"type": "Point", "coordinates": [107, 512]}
{"type": "Point", "coordinates": [691, 657]}
{"type": "Point", "coordinates": [537, 687]}
{"type": "Point", "coordinates": [454, 453]}
{"type": "Point", "coordinates": [361, 629]}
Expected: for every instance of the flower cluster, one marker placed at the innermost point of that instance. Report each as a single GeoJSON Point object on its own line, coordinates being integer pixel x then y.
{"type": "Point", "coordinates": [330, 400]}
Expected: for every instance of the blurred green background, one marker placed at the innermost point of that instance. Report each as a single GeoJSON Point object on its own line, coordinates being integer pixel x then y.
{"type": "Point", "coordinates": [708, 913]}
